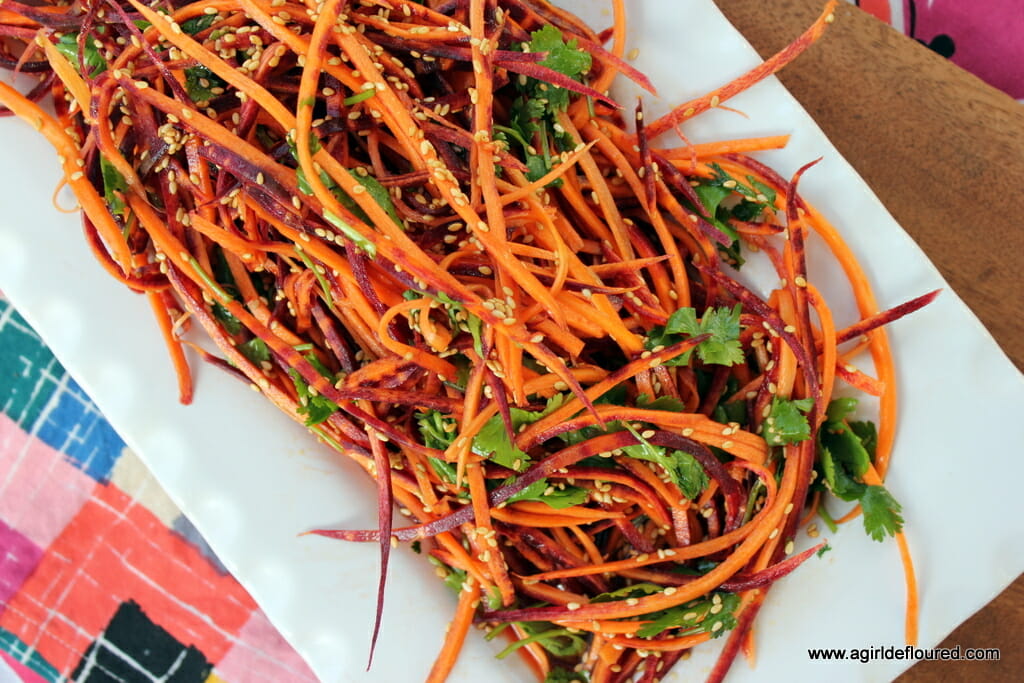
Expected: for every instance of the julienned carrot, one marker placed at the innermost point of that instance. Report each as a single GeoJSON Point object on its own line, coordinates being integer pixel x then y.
{"type": "Point", "coordinates": [410, 230]}
{"type": "Point", "coordinates": [469, 596]}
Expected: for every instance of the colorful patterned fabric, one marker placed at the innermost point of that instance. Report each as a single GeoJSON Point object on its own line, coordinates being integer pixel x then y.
{"type": "Point", "coordinates": [982, 36]}
{"type": "Point", "coordinates": [103, 579]}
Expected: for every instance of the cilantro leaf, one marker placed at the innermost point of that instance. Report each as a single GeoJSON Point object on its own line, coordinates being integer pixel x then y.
{"type": "Point", "coordinates": [555, 497]}
{"type": "Point", "coordinates": [701, 617]}
{"type": "Point", "coordinates": [824, 549]}
{"type": "Point", "coordinates": [560, 675]}
{"type": "Point", "coordinates": [786, 422]}
{"type": "Point", "coordinates": [636, 590]}
{"type": "Point", "coordinates": [199, 83]}
{"type": "Point", "coordinates": [565, 58]}
{"type": "Point", "coordinates": [868, 435]}
{"type": "Point", "coordinates": [198, 23]}
{"type": "Point", "coordinates": [492, 441]}
{"type": "Point", "coordinates": [668, 403]}
{"type": "Point", "coordinates": [840, 408]}
{"type": "Point", "coordinates": [881, 513]}
{"type": "Point", "coordinates": [682, 468]}
{"type": "Point", "coordinates": [315, 407]}
{"type": "Point", "coordinates": [255, 350]}
{"type": "Point", "coordinates": [95, 64]}
{"type": "Point", "coordinates": [845, 452]}
{"type": "Point", "coordinates": [837, 478]}
{"type": "Point", "coordinates": [723, 324]}
{"type": "Point", "coordinates": [231, 324]}
{"type": "Point", "coordinates": [114, 185]}
{"type": "Point", "coordinates": [560, 642]}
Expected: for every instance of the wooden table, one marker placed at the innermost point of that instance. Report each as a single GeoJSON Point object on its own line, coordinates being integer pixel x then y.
{"type": "Point", "coordinates": [945, 154]}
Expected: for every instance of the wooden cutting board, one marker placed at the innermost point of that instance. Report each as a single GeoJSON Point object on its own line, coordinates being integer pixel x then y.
{"type": "Point", "coordinates": [945, 154]}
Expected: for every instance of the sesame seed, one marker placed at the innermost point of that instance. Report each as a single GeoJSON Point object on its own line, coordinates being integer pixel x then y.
{"type": "Point", "coordinates": [573, 606]}
{"type": "Point", "coordinates": [671, 590]}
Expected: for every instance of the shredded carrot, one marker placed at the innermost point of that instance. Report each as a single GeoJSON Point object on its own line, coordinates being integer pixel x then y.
{"type": "Point", "coordinates": [425, 231]}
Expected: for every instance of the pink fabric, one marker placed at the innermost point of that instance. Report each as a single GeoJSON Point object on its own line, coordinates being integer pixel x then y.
{"type": "Point", "coordinates": [986, 36]}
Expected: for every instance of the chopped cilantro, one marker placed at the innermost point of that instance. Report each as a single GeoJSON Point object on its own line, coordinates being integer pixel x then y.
{"type": "Point", "coordinates": [824, 549]}
{"type": "Point", "coordinates": [845, 451]}
{"type": "Point", "coordinates": [315, 407]}
{"type": "Point", "coordinates": [198, 23]}
{"type": "Point", "coordinates": [114, 185]}
{"type": "Point", "coordinates": [840, 408]}
{"type": "Point", "coordinates": [565, 58]}
{"type": "Point", "coordinates": [231, 324]}
{"type": "Point", "coordinates": [95, 64]}
{"type": "Point", "coordinates": [555, 497]}
{"type": "Point", "coordinates": [438, 430]}
{"type": "Point", "coordinates": [199, 83]}
{"type": "Point", "coordinates": [560, 675]}
{"type": "Point", "coordinates": [723, 324]}
{"type": "Point", "coordinates": [682, 468]}
{"type": "Point", "coordinates": [786, 422]}
{"type": "Point", "coordinates": [881, 513]}
{"type": "Point", "coordinates": [532, 115]}
{"type": "Point", "coordinates": [692, 619]}
{"type": "Point", "coordinates": [560, 642]}
{"type": "Point", "coordinates": [492, 441]}
{"type": "Point", "coordinates": [255, 350]}
{"type": "Point", "coordinates": [667, 403]}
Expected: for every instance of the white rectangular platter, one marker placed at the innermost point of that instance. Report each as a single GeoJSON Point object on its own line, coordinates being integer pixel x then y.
{"type": "Point", "coordinates": [251, 480]}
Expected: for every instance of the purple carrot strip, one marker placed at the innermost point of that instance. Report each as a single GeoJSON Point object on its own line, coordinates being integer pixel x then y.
{"type": "Point", "coordinates": [885, 317]}
{"type": "Point", "coordinates": [543, 73]}
{"type": "Point", "coordinates": [563, 458]}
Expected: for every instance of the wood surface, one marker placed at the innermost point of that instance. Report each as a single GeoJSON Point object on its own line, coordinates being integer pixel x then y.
{"type": "Point", "coordinates": [945, 154]}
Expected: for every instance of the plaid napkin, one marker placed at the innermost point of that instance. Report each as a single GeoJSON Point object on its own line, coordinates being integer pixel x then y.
{"type": "Point", "coordinates": [103, 579]}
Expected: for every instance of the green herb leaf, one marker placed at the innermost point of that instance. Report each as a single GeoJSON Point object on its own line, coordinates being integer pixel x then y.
{"type": "Point", "coordinates": [231, 324]}
{"type": "Point", "coordinates": [560, 675]}
{"type": "Point", "coordinates": [786, 423]}
{"type": "Point", "coordinates": [695, 618]}
{"type": "Point", "coordinates": [95, 64]}
{"type": "Point", "coordinates": [199, 83]}
{"type": "Point", "coordinates": [492, 440]}
{"type": "Point", "coordinates": [114, 186]}
{"type": "Point", "coordinates": [840, 408]}
{"type": "Point", "coordinates": [824, 549]}
{"type": "Point", "coordinates": [667, 403]}
{"type": "Point", "coordinates": [255, 350]}
{"type": "Point", "coordinates": [565, 58]}
{"type": "Point", "coordinates": [881, 513]}
{"type": "Point", "coordinates": [558, 641]}
{"type": "Point", "coordinates": [723, 324]}
{"type": "Point", "coordinates": [558, 498]}
{"type": "Point", "coordinates": [198, 23]}
{"type": "Point", "coordinates": [682, 468]}
{"type": "Point", "coordinates": [316, 408]}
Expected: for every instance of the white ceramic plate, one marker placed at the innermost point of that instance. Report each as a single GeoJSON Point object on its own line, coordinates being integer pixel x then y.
{"type": "Point", "coordinates": [251, 480]}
